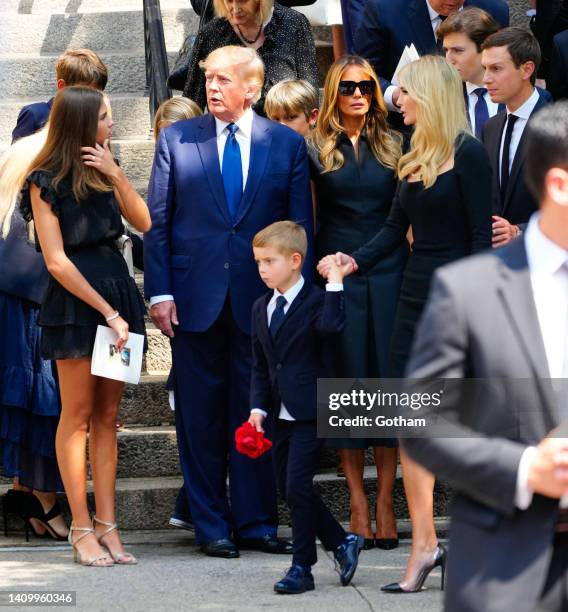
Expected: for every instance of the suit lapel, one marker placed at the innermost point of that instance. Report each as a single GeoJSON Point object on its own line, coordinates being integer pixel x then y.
{"type": "Point", "coordinates": [261, 139]}
{"type": "Point", "coordinates": [516, 294]}
{"type": "Point", "coordinates": [519, 159]}
{"type": "Point", "coordinates": [207, 147]}
{"type": "Point", "coordinates": [421, 25]}
{"type": "Point", "coordinates": [493, 149]}
{"type": "Point", "coordinates": [294, 307]}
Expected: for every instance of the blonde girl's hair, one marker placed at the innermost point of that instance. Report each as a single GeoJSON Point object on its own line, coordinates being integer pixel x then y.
{"type": "Point", "coordinates": [73, 123]}
{"type": "Point", "coordinates": [264, 8]}
{"type": "Point", "coordinates": [172, 110]}
{"type": "Point", "coordinates": [14, 169]}
{"type": "Point", "coordinates": [437, 88]}
{"type": "Point", "coordinates": [384, 142]}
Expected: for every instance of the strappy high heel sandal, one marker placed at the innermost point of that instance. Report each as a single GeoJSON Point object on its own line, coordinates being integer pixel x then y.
{"type": "Point", "coordinates": [121, 558]}
{"type": "Point", "coordinates": [77, 557]}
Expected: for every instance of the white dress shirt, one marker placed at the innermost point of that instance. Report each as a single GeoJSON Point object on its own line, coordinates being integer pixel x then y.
{"type": "Point", "coordinates": [435, 21]}
{"type": "Point", "coordinates": [492, 107]}
{"type": "Point", "coordinates": [244, 138]}
{"type": "Point", "coordinates": [290, 296]}
{"type": "Point", "coordinates": [523, 113]}
{"type": "Point", "coordinates": [549, 280]}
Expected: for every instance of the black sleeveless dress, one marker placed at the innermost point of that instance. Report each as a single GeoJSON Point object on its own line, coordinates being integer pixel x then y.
{"type": "Point", "coordinates": [89, 229]}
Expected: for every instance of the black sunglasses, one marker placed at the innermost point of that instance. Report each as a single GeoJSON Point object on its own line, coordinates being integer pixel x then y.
{"type": "Point", "coordinates": [347, 88]}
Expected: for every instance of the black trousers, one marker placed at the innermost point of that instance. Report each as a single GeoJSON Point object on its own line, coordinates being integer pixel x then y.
{"type": "Point", "coordinates": [554, 597]}
{"type": "Point", "coordinates": [295, 455]}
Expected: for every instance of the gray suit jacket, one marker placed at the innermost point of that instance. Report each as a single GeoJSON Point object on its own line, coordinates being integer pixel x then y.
{"type": "Point", "coordinates": [487, 327]}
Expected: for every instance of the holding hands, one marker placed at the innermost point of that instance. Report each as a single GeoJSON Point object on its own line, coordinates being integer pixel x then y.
{"type": "Point", "coordinates": [335, 267]}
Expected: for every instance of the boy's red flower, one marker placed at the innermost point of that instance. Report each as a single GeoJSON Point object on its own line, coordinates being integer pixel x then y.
{"type": "Point", "coordinates": [250, 442]}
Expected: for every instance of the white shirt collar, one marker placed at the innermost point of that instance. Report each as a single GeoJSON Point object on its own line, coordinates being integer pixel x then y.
{"type": "Point", "coordinates": [432, 12]}
{"type": "Point", "coordinates": [292, 293]}
{"type": "Point", "coordinates": [470, 87]}
{"type": "Point", "coordinates": [244, 123]}
{"type": "Point", "coordinates": [524, 111]}
{"type": "Point", "coordinates": [544, 256]}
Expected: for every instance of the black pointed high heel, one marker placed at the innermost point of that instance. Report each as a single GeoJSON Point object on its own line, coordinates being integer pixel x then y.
{"type": "Point", "coordinates": [17, 502]}
{"type": "Point", "coordinates": [440, 558]}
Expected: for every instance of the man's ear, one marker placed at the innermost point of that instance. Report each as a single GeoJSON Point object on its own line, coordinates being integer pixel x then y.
{"type": "Point", "coordinates": [528, 69]}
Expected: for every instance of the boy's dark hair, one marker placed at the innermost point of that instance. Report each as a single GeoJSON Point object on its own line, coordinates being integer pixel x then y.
{"type": "Point", "coordinates": [546, 146]}
{"type": "Point", "coordinates": [474, 22]}
{"type": "Point", "coordinates": [521, 44]}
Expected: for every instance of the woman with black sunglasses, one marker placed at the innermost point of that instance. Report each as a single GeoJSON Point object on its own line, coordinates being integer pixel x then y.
{"type": "Point", "coordinates": [354, 158]}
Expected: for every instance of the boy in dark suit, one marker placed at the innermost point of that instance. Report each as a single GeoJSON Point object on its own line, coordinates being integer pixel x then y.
{"type": "Point", "coordinates": [289, 327]}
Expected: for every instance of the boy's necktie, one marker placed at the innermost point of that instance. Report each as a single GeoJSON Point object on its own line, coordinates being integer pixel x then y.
{"type": "Point", "coordinates": [232, 171]}
{"type": "Point", "coordinates": [278, 315]}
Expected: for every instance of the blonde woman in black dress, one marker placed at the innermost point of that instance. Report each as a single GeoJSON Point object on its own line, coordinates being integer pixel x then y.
{"type": "Point", "coordinates": [76, 194]}
{"type": "Point", "coordinates": [445, 195]}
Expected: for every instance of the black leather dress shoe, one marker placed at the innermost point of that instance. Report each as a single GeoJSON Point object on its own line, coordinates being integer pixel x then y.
{"type": "Point", "coordinates": [268, 544]}
{"type": "Point", "coordinates": [298, 579]}
{"type": "Point", "coordinates": [224, 548]}
{"type": "Point", "coordinates": [347, 557]}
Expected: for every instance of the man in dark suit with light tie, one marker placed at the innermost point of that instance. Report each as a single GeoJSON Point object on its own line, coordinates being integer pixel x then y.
{"type": "Point", "coordinates": [507, 323]}
{"type": "Point", "coordinates": [387, 26]}
{"type": "Point", "coordinates": [510, 58]}
{"type": "Point", "coordinates": [216, 181]}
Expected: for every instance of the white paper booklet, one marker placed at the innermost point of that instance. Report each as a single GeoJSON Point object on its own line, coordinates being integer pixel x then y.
{"type": "Point", "coordinates": [125, 364]}
{"type": "Point", "coordinates": [409, 55]}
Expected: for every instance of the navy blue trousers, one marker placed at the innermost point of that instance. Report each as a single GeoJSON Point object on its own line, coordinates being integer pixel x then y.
{"type": "Point", "coordinates": [212, 388]}
{"type": "Point", "coordinates": [295, 453]}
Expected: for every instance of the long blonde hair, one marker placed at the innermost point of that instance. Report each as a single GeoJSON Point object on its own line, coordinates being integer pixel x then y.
{"type": "Point", "coordinates": [14, 169]}
{"type": "Point", "coordinates": [384, 142]}
{"type": "Point", "coordinates": [73, 122]}
{"type": "Point", "coordinates": [437, 88]}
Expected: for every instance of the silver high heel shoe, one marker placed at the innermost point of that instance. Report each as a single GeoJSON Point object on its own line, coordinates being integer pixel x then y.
{"type": "Point", "coordinates": [120, 558]}
{"type": "Point", "coordinates": [100, 561]}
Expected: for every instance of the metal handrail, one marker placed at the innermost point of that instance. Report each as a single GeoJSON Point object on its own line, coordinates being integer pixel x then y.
{"type": "Point", "coordinates": [156, 57]}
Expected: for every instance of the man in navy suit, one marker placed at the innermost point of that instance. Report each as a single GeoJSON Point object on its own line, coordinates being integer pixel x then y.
{"type": "Point", "coordinates": [289, 328]}
{"type": "Point", "coordinates": [216, 181]}
{"type": "Point", "coordinates": [557, 80]}
{"type": "Point", "coordinates": [510, 58]}
{"type": "Point", "coordinates": [387, 26]}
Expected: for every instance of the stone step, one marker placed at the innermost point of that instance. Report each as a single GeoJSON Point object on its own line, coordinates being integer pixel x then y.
{"type": "Point", "coordinates": [47, 34]}
{"type": "Point", "coordinates": [147, 503]}
{"type": "Point", "coordinates": [38, 7]}
{"type": "Point", "coordinates": [34, 76]}
{"type": "Point", "coordinates": [147, 452]}
{"type": "Point", "coordinates": [130, 112]}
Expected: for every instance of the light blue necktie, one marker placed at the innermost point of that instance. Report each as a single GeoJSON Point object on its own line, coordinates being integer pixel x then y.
{"type": "Point", "coordinates": [232, 171]}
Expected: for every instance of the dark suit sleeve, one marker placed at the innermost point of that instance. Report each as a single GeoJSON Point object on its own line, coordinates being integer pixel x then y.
{"type": "Point", "coordinates": [557, 81]}
{"type": "Point", "coordinates": [483, 468]}
{"type": "Point", "coordinates": [331, 319]}
{"type": "Point", "coordinates": [260, 393]}
{"type": "Point", "coordinates": [300, 203]}
{"type": "Point", "coordinates": [194, 88]}
{"type": "Point", "coordinates": [157, 272]}
{"type": "Point", "coordinates": [26, 124]}
{"type": "Point", "coordinates": [372, 41]}
{"type": "Point", "coordinates": [386, 240]}
{"type": "Point", "coordinates": [474, 174]}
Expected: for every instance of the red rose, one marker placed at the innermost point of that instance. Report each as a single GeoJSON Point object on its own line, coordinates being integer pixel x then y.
{"type": "Point", "coordinates": [250, 442]}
